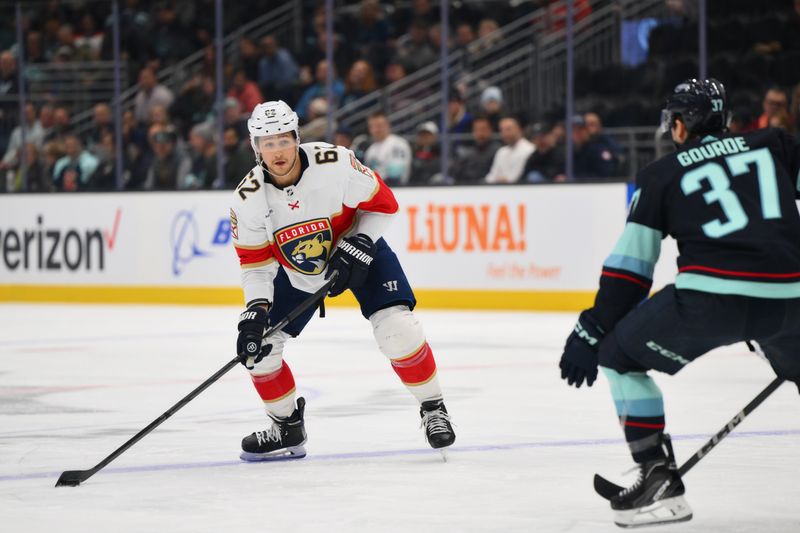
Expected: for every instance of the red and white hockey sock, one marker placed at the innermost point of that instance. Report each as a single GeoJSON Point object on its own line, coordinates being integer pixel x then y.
{"type": "Point", "coordinates": [277, 390]}
{"type": "Point", "coordinates": [418, 373]}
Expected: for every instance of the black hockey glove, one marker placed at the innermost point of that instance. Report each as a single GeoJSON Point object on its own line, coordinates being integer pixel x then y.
{"type": "Point", "coordinates": [249, 344]}
{"type": "Point", "coordinates": [351, 260]}
{"type": "Point", "coordinates": [579, 360]}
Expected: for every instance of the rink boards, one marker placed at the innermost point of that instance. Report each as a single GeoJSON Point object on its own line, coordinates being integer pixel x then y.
{"type": "Point", "coordinates": [501, 247]}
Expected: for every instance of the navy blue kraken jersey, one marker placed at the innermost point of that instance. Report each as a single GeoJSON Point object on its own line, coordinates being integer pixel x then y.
{"type": "Point", "coordinates": [729, 202]}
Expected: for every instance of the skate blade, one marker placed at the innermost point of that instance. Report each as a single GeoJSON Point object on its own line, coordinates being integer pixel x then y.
{"type": "Point", "coordinates": [286, 454]}
{"type": "Point", "coordinates": [664, 511]}
{"type": "Point", "coordinates": [443, 451]}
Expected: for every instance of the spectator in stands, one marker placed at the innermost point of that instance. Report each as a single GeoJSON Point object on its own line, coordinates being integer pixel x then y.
{"type": "Point", "coordinates": [316, 128]}
{"type": "Point", "coordinates": [245, 90]}
{"type": "Point", "coordinates": [33, 134]}
{"type": "Point", "coordinates": [412, 93]}
{"type": "Point", "coordinates": [343, 137]}
{"type": "Point", "coordinates": [89, 40]}
{"type": "Point", "coordinates": [136, 150]}
{"type": "Point", "coordinates": [547, 162]}
{"type": "Point", "coordinates": [775, 102]}
{"type": "Point", "coordinates": [277, 70]}
{"type": "Point", "coordinates": [593, 159]}
{"type": "Point", "coordinates": [104, 178]}
{"type": "Point", "coordinates": [360, 82]}
{"type": "Point", "coordinates": [34, 52]}
{"type": "Point", "coordinates": [509, 161]}
{"type": "Point", "coordinates": [476, 162]}
{"type": "Point", "coordinates": [459, 119]}
{"type": "Point", "coordinates": [233, 117]}
{"type": "Point", "coordinates": [488, 36]}
{"type": "Point", "coordinates": [492, 105]}
{"type": "Point", "coordinates": [465, 35]}
{"type": "Point", "coordinates": [170, 39]}
{"type": "Point", "coordinates": [169, 169]}
{"type": "Point", "coordinates": [372, 33]}
{"type": "Point", "coordinates": [239, 159]}
{"type": "Point", "coordinates": [194, 104]}
{"type": "Point", "coordinates": [72, 172]}
{"type": "Point", "coordinates": [249, 58]}
{"type": "Point", "coordinates": [426, 162]}
{"type": "Point", "coordinates": [102, 122]}
{"type": "Point", "coordinates": [36, 177]}
{"type": "Point", "coordinates": [159, 115]}
{"type": "Point", "coordinates": [316, 51]}
{"type": "Point", "coordinates": [65, 44]}
{"type": "Point", "coordinates": [414, 50]}
{"type": "Point", "coordinates": [8, 87]}
{"type": "Point", "coordinates": [594, 127]}
{"type": "Point", "coordinates": [319, 89]}
{"type": "Point", "coordinates": [421, 10]}
{"type": "Point", "coordinates": [60, 127]}
{"type": "Point", "coordinates": [150, 93]}
{"type": "Point", "coordinates": [389, 155]}
{"type": "Point", "coordinates": [47, 121]}
{"type": "Point", "coordinates": [203, 153]}
{"type": "Point", "coordinates": [52, 151]}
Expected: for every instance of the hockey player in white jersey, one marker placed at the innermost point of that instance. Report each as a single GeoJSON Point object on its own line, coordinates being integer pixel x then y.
{"type": "Point", "coordinates": [303, 212]}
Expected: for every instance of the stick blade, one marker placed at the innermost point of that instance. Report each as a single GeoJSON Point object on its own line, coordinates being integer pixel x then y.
{"type": "Point", "coordinates": [72, 478]}
{"type": "Point", "coordinates": [606, 488]}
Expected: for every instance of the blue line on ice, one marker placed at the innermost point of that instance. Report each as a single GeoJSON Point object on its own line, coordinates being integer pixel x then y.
{"type": "Point", "coordinates": [396, 453]}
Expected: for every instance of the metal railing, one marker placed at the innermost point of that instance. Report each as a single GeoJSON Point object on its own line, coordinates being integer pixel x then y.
{"type": "Point", "coordinates": [282, 22]}
{"type": "Point", "coordinates": [75, 85]}
{"type": "Point", "coordinates": [526, 59]}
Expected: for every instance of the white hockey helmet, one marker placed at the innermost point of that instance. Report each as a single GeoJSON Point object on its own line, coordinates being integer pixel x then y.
{"type": "Point", "coordinates": [271, 118]}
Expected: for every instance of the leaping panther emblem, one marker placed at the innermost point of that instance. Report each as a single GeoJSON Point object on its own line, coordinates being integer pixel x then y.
{"type": "Point", "coordinates": [306, 247]}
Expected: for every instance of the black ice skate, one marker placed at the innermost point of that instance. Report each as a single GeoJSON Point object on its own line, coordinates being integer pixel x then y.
{"type": "Point", "coordinates": [438, 429]}
{"type": "Point", "coordinates": [657, 495]}
{"type": "Point", "coordinates": [283, 440]}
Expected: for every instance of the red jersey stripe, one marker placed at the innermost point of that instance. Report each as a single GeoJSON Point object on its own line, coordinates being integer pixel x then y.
{"type": "Point", "coordinates": [644, 425]}
{"type": "Point", "coordinates": [248, 256]}
{"type": "Point", "coordinates": [627, 278]}
{"type": "Point", "coordinates": [789, 275]}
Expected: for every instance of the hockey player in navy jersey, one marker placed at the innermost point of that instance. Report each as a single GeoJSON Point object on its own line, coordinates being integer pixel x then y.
{"type": "Point", "coordinates": [729, 201]}
{"type": "Point", "coordinates": [303, 212]}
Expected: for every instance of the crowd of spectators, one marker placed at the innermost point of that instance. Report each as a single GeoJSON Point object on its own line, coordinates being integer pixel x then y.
{"type": "Point", "coordinates": [169, 137]}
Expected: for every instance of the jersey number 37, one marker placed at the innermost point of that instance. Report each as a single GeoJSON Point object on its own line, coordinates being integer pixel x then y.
{"type": "Point", "coordinates": [721, 192]}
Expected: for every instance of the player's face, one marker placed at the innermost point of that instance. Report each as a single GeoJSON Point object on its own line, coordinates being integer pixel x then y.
{"type": "Point", "coordinates": [278, 151]}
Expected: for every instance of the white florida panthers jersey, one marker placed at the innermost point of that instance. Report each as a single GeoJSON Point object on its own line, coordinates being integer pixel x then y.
{"type": "Point", "coordinates": [298, 226]}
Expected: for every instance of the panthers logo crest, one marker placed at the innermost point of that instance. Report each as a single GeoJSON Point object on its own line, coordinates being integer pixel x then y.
{"type": "Point", "coordinates": [306, 246]}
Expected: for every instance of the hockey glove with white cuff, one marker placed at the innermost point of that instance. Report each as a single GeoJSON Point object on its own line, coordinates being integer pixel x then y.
{"type": "Point", "coordinates": [250, 345]}
{"type": "Point", "coordinates": [351, 260]}
{"type": "Point", "coordinates": [579, 361]}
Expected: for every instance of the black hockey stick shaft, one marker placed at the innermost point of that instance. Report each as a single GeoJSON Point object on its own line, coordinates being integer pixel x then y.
{"type": "Point", "coordinates": [607, 489]}
{"type": "Point", "coordinates": [735, 421]}
{"type": "Point", "coordinates": [76, 477]}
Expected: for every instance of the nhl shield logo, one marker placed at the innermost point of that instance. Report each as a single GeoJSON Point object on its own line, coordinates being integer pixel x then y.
{"type": "Point", "coordinates": [306, 246]}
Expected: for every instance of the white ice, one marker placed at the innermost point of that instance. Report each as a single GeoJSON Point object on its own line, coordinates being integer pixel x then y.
{"type": "Point", "coordinates": [77, 381]}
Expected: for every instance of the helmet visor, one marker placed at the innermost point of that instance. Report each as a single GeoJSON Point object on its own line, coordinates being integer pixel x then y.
{"type": "Point", "coordinates": [275, 143]}
{"type": "Point", "coordinates": [667, 119]}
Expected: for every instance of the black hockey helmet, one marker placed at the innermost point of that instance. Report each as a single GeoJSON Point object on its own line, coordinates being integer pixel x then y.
{"type": "Point", "coordinates": [700, 104]}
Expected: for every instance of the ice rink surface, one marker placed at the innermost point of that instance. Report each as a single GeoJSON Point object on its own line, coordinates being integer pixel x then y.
{"type": "Point", "coordinates": [78, 381]}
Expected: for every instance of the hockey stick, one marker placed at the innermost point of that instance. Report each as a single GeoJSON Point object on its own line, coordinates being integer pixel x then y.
{"type": "Point", "coordinates": [608, 490]}
{"type": "Point", "coordinates": [73, 478]}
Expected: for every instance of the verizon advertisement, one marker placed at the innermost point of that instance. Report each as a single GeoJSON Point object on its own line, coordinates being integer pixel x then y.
{"type": "Point", "coordinates": [117, 239]}
{"type": "Point", "coordinates": [471, 238]}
